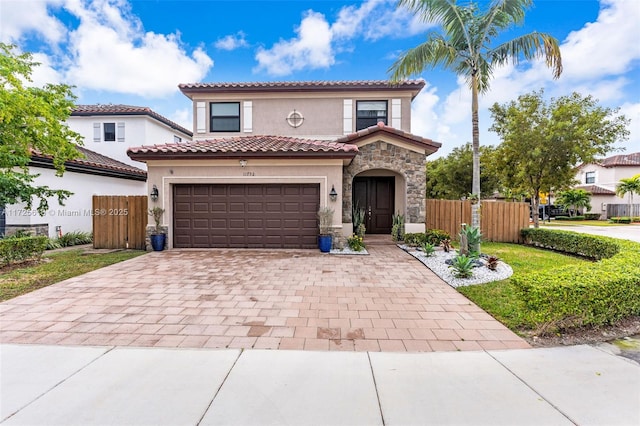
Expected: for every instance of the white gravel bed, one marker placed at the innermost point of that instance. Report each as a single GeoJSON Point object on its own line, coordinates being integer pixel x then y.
{"type": "Point", "coordinates": [481, 274]}
{"type": "Point", "coordinates": [347, 250]}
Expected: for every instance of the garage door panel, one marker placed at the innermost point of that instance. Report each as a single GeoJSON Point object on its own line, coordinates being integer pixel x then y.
{"type": "Point", "coordinates": [254, 215]}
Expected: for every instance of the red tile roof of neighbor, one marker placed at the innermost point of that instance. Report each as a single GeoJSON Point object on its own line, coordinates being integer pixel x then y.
{"type": "Point", "coordinates": [621, 160]}
{"type": "Point", "coordinates": [97, 161]}
{"type": "Point", "coordinates": [119, 109]}
{"type": "Point", "coordinates": [301, 86]}
{"type": "Point", "coordinates": [429, 144]}
{"type": "Point", "coordinates": [596, 190]}
{"type": "Point", "coordinates": [244, 146]}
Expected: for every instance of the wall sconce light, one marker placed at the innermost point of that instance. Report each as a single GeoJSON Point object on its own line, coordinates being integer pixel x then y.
{"type": "Point", "coordinates": [243, 163]}
{"type": "Point", "coordinates": [333, 195]}
{"type": "Point", "coordinates": [154, 193]}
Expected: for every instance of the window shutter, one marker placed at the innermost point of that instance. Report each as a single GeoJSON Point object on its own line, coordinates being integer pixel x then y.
{"type": "Point", "coordinates": [247, 107]}
{"type": "Point", "coordinates": [347, 116]}
{"type": "Point", "coordinates": [396, 113]}
{"type": "Point", "coordinates": [120, 132]}
{"type": "Point", "coordinates": [201, 126]}
{"type": "Point", "coordinates": [97, 133]}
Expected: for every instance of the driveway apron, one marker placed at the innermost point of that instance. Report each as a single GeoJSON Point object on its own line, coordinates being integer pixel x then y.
{"type": "Point", "coordinates": [266, 299]}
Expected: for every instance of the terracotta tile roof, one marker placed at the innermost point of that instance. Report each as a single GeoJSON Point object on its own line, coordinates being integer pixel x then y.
{"type": "Point", "coordinates": [119, 109]}
{"type": "Point", "coordinates": [621, 160]}
{"type": "Point", "coordinates": [94, 160]}
{"type": "Point", "coordinates": [596, 190]}
{"type": "Point", "coordinates": [246, 146]}
{"type": "Point", "coordinates": [289, 86]}
{"type": "Point", "coordinates": [430, 145]}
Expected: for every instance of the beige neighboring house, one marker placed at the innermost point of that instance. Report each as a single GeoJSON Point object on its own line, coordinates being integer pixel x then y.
{"type": "Point", "coordinates": [601, 178]}
{"type": "Point", "coordinates": [266, 156]}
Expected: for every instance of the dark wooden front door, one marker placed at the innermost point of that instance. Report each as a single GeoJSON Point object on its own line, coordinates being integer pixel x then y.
{"type": "Point", "coordinates": [375, 195]}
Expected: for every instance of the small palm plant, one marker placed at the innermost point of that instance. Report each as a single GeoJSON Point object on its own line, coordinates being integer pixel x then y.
{"type": "Point", "coordinates": [428, 249]}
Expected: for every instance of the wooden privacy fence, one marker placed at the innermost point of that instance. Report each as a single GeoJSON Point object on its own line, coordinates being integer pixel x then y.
{"type": "Point", "coordinates": [617, 210]}
{"type": "Point", "coordinates": [499, 221]}
{"type": "Point", "coordinates": [119, 221]}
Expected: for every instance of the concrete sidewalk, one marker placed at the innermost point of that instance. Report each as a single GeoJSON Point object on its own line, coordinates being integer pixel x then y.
{"type": "Point", "coordinates": [61, 385]}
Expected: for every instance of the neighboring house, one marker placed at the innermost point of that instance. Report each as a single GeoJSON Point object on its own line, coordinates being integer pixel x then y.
{"type": "Point", "coordinates": [266, 156]}
{"type": "Point", "coordinates": [95, 174]}
{"type": "Point", "coordinates": [111, 129]}
{"type": "Point", "coordinates": [601, 178]}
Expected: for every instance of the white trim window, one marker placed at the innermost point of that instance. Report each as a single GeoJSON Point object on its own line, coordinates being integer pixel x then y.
{"type": "Point", "coordinates": [370, 113]}
{"type": "Point", "coordinates": [225, 116]}
{"type": "Point", "coordinates": [590, 177]}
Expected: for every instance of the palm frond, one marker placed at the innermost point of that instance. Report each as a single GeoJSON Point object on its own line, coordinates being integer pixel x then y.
{"type": "Point", "coordinates": [434, 52]}
{"type": "Point", "coordinates": [529, 46]}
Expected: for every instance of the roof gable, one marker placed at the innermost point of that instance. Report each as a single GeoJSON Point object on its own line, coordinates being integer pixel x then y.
{"type": "Point", "coordinates": [428, 145]}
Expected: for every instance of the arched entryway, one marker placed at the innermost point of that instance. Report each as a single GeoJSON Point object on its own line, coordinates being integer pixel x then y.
{"type": "Point", "coordinates": [380, 193]}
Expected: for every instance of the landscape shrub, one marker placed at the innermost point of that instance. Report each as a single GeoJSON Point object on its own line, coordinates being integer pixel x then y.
{"type": "Point", "coordinates": [571, 217]}
{"type": "Point", "coordinates": [591, 216]}
{"type": "Point", "coordinates": [589, 246]}
{"type": "Point", "coordinates": [13, 250]}
{"type": "Point", "coordinates": [594, 294]}
{"type": "Point", "coordinates": [622, 219]}
{"type": "Point", "coordinates": [434, 237]}
{"type": "Point", "coordinates": [75, 238]}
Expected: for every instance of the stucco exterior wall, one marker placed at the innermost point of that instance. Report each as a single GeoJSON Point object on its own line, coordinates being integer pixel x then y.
{"type": "Point", "coordinates": [323, 112]}
{"type": "Point", "coordinates": [607, 177]}
{"type": "Point", "coordinates": [166, 173]}
{"type": "Point", "coordinates": [75, 215]}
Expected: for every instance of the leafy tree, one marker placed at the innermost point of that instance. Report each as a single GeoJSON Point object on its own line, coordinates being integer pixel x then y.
{"type": "Point", "coordinates": [543, 141]}
{"type": "Point", "coordinates": [31, 120]}
{"type": "Point", "coordinates": [465, 46]}
{"type": "Point", "coordinates": [450, 177]}
{"type": "Point", "coordinates": [574, 199]}
{"type": "Point", "coordinates": [629, 186]}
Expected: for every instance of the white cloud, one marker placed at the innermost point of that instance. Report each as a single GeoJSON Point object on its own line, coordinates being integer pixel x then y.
{"type": "Point", "coordinates": [110, 51]}
{"type": "Point", "coordinates": [425, 121]}
{"type": "Point", "coordinates": [607, 46]}
{"type": "Point", "coordinates": [45, 72]}
{"type": "Point", "coordinates": [317, 42]}
{"type": "Point", "coordinates": [310, 49]}
{"type": "Point", "coordinates": [232, 41]}
{"type": "Point", "coordinates": [632, 112]}
{"type": "Point", "coordinates": [15, 23]}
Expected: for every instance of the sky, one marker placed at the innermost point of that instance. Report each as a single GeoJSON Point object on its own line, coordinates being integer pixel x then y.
{"type": "Point", "coordinates": [136, 52]}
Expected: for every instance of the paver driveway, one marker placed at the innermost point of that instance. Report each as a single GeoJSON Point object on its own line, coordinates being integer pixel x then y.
{"type": "Point", "coordinates": [387, 301]}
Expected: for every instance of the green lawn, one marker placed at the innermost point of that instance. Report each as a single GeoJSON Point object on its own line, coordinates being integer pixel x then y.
{"type": "Point", "coordinates": [580, 222]}
{"type": "Point", "coordinates": [499, 298]}
{"type": "Point", "coordinates": [18, 280]}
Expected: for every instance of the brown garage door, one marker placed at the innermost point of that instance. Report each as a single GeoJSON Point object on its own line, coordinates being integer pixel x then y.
{"type": "Point", "coordinates": [246, 216]}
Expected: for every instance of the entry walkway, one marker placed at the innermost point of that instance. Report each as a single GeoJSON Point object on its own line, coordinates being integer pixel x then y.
{"type": "Point", "coordinates": [258, 299]}
{"type": "Point", "coordinates": [58, 385]}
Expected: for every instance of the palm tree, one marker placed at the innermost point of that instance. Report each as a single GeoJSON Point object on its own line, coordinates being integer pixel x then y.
{"type": "Point", "coordinates": [629, 186]}
{"type": "Point", "coordinates": [574, 199]}
{"type": "Point", "coordinates": [464, 46]}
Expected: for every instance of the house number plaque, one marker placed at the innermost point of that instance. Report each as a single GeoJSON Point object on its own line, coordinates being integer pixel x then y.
{"type": "Point", "coordinates": [248, 173]}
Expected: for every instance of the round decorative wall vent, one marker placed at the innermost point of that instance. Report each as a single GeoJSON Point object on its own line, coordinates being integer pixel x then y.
{"type": "Point", "coordinates": [295, 119]}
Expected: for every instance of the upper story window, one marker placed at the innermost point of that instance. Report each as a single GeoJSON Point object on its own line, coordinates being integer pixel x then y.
{"type": "Point", "coordinates": [590, 177]}
{"type": "Point", "coordinates": [225, 116]}
{"type": "Point", "coordinates": [109, 132]}
{"type": "Point", "coordinates": [369, 113]}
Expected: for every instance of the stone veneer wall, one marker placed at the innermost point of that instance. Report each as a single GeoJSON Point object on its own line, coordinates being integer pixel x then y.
{"type": "Point", "coordinates": [383, 155]}
{"type": "Point", "coordinates": [34, 229]}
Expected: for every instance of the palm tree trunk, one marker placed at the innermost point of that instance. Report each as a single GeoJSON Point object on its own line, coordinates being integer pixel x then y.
{"type": "Point", "coordinates": [475, 183]}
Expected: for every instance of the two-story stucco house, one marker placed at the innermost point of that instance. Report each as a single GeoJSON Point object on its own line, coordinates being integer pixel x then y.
{"type": "Point", "coordinates": [266, 156]}
{"type": "Point", "coordinates": [111, 129]}
{"type": "Point", "coordinates": [601, 178]}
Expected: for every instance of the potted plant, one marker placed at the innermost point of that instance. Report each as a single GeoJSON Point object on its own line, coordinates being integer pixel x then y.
{"type": "Point", "coordinates": [325, 239]}
{"type": "Point", "coordinates": [157, 237]}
